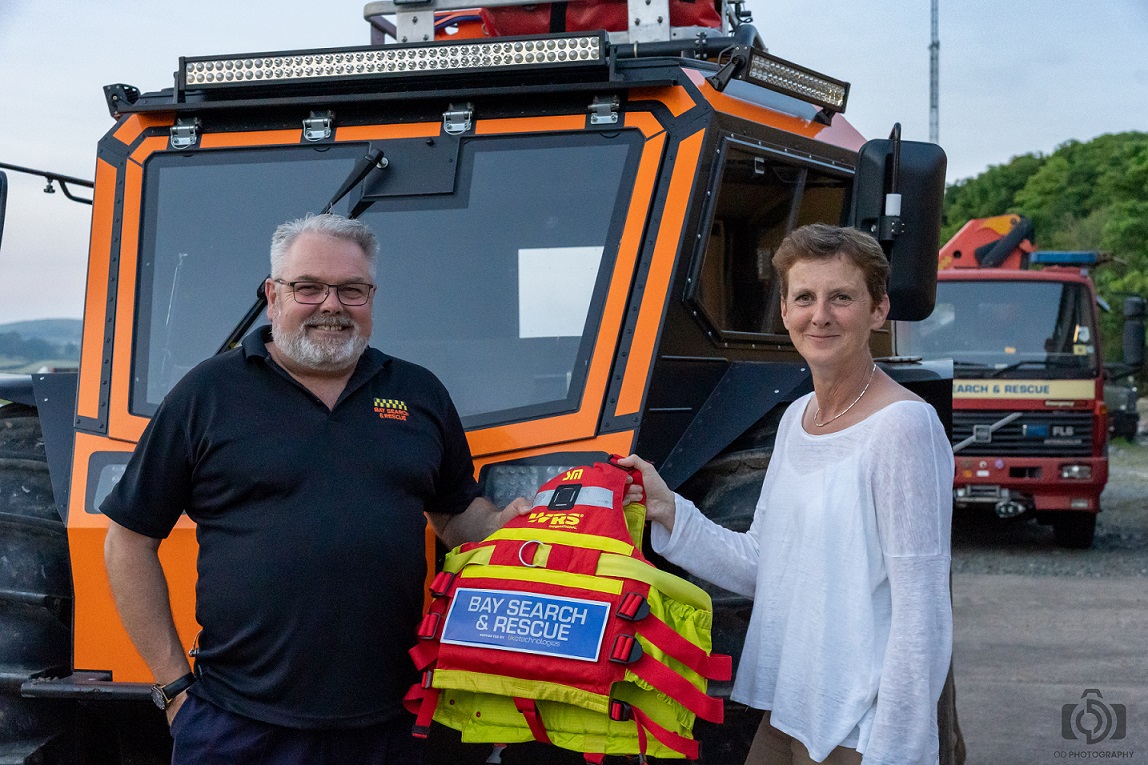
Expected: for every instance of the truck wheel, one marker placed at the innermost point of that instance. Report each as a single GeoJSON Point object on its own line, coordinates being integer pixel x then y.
{"type": "Point", "coordinates": [1074, 529]}
{"type": "Point", "coordinates": [35, 594]}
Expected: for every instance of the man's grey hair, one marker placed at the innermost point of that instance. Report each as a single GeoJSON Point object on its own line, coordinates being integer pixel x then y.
{"type": "Point", "coordinates": [327, 224]}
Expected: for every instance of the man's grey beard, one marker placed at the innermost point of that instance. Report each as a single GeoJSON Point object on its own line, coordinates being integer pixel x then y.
{"type": "Point", "coordinates": [328, 353]}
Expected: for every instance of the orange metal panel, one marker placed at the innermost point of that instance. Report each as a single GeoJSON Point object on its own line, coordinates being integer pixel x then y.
{"type": "Point", "coordinates": [131, 128]}
{"type": "Point", "coordinates": [657, 286]}
{"type": "Point", "coordinates": [676, 98]}
{"type": "Point", "coordinates": [566, 428]}
{"type": "Point", "coordinates": [374, 132]}
{"type": "Point", "coordinates": [121, 424]}
{"type": "Point", "coordinates": [145, 149]}
{"type": "Point", "coordinates": [531, 124]}
{"type": "Point", "coordinates": [101, 643]}
{"type": "Point", "coordinates": [840, 133]}
{"type": "Point", "coordinates": [96, 295]}
{"type": "Point", "coordinates": [645, 122]}
{"type": "Point", "coordinates": [250, 138]}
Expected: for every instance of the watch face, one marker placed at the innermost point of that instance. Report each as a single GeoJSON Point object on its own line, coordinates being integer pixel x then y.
{"type": "Point", "coordinates": [158, 698]}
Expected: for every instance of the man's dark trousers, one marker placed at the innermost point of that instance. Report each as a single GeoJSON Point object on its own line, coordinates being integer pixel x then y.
{"type": "Point", "coordinates": [204, 734]}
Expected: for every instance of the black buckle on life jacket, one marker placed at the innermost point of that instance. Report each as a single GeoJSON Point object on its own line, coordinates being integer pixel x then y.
{"type": "Point", "coordinates": [428, 679]}
{"type": "Point", "coordinates": [420, 731]}
{"type": "Point", "coordinates": [620, 711]}
{"type": "Point", "coordinates": [633, 607]}
{"type": "Point", "coordinates": [565, 497]}
{"type": "Point", "coordinates": [441, 583]}
{"type": "Point", "coordinates": [428, 627]}
{"type": "Point", "coordinates": [626, 650]}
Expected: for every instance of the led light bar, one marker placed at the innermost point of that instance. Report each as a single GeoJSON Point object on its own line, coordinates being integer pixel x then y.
{"type": "Point", "coordinates": [797, 81]}
{"type": "Point", "coordinates": [394, 60]}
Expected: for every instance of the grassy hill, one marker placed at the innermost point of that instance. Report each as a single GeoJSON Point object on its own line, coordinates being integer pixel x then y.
{"type": "Point", "coordinates": [26, 346]}
{"type": "Point", "coordinates": [58, 331]}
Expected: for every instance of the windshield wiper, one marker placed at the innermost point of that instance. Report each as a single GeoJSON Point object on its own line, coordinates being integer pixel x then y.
{"type": "Point", "coordinates": [973, 368]}
{"type": "Point", "coordinates": [1017, 364]}
{"type": "Point", "coordinates": [371, 161]}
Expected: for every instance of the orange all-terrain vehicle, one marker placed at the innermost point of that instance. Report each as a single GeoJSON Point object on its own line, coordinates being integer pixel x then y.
{"type": "Point", "coordinates": [576, 230]}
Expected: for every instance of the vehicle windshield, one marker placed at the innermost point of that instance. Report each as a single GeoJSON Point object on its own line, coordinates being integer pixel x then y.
{"type": "Point", "coordinates": [1013, 329]}
{"type": "Point", "coordinates": [493, 266]}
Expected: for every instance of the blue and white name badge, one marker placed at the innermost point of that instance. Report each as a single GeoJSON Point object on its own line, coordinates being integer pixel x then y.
{"type": "Point", "coordinates": [549, 625]}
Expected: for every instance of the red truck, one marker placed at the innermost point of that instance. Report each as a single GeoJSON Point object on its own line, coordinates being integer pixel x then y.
{"type": "Point", "coordinates": [1030, 427]}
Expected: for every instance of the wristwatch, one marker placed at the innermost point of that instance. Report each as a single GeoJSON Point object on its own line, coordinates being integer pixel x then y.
{"type": "Point", "coordinates": [163, 695]}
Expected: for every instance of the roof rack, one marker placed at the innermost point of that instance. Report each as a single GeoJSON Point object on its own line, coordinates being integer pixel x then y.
{"type": "Point", "coordinates": [648, 19]}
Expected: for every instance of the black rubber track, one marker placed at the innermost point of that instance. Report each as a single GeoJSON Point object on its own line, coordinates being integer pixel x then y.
{"type": "Point", "coordinates": [35, 591]}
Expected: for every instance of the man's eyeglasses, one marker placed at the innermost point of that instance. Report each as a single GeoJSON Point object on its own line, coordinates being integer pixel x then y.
{"type": "Point", "coordinates": [314, 293]}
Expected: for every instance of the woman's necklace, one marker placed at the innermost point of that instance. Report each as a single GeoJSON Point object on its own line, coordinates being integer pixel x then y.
{"type": "Point", "coordinates": [842, 414]}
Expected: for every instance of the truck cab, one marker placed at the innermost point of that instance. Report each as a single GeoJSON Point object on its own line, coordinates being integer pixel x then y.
{"type": "Point", "coordinates": [1030, 425]}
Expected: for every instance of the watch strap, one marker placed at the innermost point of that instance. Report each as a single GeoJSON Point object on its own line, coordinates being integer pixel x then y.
{"type": "Point", "coordinates": [175, 687]}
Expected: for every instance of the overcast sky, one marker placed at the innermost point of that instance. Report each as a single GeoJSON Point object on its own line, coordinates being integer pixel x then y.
{"type": "Point", "coordinates": [1016, 77]}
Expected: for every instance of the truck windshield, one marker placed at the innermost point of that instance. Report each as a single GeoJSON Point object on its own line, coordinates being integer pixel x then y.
{"type": "Point", "coordinates": [493, 278]}
{"type": "Point", "coordinates": [1014, 329]}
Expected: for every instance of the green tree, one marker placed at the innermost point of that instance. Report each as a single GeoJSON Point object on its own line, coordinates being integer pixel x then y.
{"type": "Point", "coordinates": [1084, 196]}
{"type": "Point", "coordinates": [993, 192]}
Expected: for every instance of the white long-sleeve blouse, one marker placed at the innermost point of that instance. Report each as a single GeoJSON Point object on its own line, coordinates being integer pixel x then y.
{"type": "Point", "coordinates": [847, 560]}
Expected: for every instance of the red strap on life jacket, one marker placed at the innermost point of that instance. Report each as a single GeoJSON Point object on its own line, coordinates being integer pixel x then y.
{"type": "Point", "coordinates": [620, 711]}
{"type": "Point", "coordinates": [688, 747]}
{"type": "Point", "coordinates": [713, 666]}
{"type": "Point", "coordinates": [421, 700]}
{"type": "Point", "coordinates": [678, 688]}
{"type": "Point", "coordinates": [530, 711]}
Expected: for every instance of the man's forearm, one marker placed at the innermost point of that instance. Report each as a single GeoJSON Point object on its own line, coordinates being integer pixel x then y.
{"type": "Point", "coordinates": [480, 519]}
{"type": "Point", "coordinates": [141, 596]}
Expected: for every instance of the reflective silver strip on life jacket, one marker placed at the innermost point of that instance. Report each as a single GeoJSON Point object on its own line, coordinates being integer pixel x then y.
{"type": "Point", "coordinates": [594, 496]}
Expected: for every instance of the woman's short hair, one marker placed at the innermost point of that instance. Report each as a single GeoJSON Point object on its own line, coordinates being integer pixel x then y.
{"type": "Point", "coordinates": [820, 241]}
{"type": "Point", "coordinates": [328, 224]}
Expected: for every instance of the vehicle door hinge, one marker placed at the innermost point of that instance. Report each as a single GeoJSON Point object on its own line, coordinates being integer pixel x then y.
{"type": "Point", "coordinates": [317, 127]}
{"type": "Point", "coordinates": [458, 119]}
{"type": "Point", "coordinates": [184, 133]}
{"type": "Point", "coordinates": [604, 110]}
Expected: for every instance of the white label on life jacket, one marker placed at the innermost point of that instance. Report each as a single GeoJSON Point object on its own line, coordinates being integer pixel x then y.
{"type": "Point", "coordinates": [526, 622]}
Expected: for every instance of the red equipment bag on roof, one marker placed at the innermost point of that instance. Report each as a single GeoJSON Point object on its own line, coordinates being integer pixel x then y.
{"type": "Point", "coordinates": [585, 15]}
{"type": "Point", "coordinates": [556, 628]}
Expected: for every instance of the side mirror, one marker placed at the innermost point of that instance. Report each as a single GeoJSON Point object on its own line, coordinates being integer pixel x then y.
{"type": "Point", "coordinates": [1134, 309]}
{"type": "Point", "coordinates": [3, 201]}
{"type": "Point", "coordinates": [898, 193]}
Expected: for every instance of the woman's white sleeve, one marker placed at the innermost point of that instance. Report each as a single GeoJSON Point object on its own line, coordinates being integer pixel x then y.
{"type": "Point", "coordinates": [708, 550]}
{"type": "Point", "coordinates": [912, 486]}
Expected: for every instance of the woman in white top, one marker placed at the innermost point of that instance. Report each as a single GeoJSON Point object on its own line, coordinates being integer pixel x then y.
{"type": "Point", "coordinates": [847, 558]}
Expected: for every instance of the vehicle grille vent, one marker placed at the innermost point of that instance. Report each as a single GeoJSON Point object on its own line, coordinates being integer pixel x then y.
{"type": "Point", "coordinates": [1037, 434]}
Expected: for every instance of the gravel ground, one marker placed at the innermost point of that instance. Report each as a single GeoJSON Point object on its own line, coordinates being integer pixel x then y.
{"type": "Point", "coordinates": [983, 544]}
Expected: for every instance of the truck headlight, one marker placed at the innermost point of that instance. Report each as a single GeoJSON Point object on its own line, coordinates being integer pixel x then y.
{"type": "Point", "coordinates": [1076, 472]}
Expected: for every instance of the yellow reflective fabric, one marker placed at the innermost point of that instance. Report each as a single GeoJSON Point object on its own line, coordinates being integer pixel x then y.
{"type": "Point", "coordinates": [455, 560]}
{"type": "Point", "coordinates": [561, 578]}
{"type": "Point", "coordinates": [556, 537]}
{"type": "Point", "coordinates": [673, 586]}
{"type": "Point", "coordinates": [492, 719]}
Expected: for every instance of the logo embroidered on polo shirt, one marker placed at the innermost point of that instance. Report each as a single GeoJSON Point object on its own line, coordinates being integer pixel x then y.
{"type": "Point", "coordinates": [391, 409]}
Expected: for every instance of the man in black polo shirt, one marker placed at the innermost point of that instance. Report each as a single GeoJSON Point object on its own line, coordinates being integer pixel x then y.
{"type": "Point", "coordinates": [307, 461]}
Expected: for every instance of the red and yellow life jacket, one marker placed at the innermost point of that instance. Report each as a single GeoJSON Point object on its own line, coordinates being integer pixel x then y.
{"type": "Point", "coordinates": [557, 629]}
